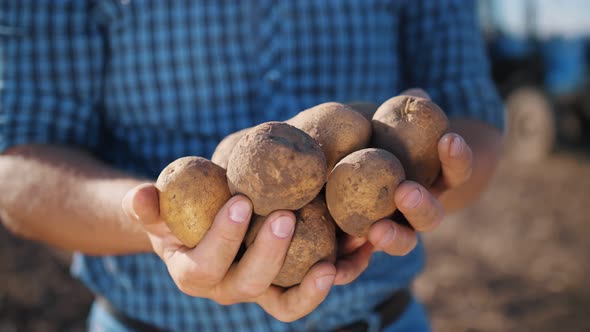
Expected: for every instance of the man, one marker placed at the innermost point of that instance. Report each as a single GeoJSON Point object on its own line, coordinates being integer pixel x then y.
{"type": "Point", "coordinates": [99, 96]}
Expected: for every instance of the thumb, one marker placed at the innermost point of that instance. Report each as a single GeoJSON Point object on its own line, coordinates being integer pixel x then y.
{"type": "Point", "coordinates": [141, 204]}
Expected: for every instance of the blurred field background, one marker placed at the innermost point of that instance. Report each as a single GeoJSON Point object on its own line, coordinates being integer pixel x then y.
{"type": "Point", "coordinates": [516, 261]}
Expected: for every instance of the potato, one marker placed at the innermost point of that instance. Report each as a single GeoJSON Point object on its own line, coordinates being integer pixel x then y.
{"type": "Point", "coordinates": [338, 129]}
{"type": "Point", "coordinates": [367, 109]}
{"type": "Point", "coordinates": [410, 128]}
{"type": "Point", "coordinates": [278, 167]}
{"type": "Point", "coordinates": [192, 190]}
{"type": "Point", "coordinates": [314, 240]}
{"type": "Point", "coordinates": [361, 188]}
{"type": "Point", "coordinates": [226, 146]}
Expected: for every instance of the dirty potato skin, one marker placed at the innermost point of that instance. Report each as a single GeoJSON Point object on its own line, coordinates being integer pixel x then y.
{"type": "Point", "coordinates": [367, 109]}
{"type": "Point", "coordinates": [278, 167]}
{"type": "Point", "coordinates": [226, 146]}
{"type": "Point", "coordinates": [410, 128]}
{"type": "Point", "coordinates": [192, 190]}
{"type": "Point", "coordinates": [360, 189]}
{"type": "Point", "coordinates": [314, 240]}
{"type": "Point", "coordinates": [338, 128]}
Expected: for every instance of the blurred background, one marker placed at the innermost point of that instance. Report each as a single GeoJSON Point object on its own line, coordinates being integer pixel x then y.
{"type": "Point", "coordinates": [516, 261]}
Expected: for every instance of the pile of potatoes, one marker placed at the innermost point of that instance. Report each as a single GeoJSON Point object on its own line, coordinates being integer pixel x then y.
{"type": "Point", "coordinates": [334, 165]}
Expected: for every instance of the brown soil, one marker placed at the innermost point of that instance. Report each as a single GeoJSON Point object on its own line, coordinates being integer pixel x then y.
{"type": "Point", "coordinates": [517, 261]}
{"type": "Point", "coordinates": [37, 292]}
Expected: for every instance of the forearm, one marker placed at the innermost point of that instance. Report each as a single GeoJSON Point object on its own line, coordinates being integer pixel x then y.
{"type": "Point", "coordinates": [486, 145]}
{"type": "Point", "coordinates": [68, 199]}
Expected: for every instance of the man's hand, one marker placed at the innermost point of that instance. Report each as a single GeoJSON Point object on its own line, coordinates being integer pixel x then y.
{"type": "Point", "coordinates": [420, 207]}
{"type": "Point", "coordinates": [209, 270]}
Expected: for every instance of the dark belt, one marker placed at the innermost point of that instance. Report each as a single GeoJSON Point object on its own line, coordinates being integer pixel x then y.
{"type": "Point", "coordinates": [389, 311]}
{"type": "Point", "coordinates": [132, 324]}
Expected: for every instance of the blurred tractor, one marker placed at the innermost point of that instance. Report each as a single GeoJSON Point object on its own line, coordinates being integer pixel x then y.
{"type": "Point", "coordinates": [538, 50]}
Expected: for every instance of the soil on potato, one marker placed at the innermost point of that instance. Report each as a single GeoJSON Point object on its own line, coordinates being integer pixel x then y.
{"type": "Point", "coordinates": [516, 261]}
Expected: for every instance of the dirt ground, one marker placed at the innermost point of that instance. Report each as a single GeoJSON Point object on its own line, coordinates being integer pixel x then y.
{"type": "Point", "coordinates": [517, 261]}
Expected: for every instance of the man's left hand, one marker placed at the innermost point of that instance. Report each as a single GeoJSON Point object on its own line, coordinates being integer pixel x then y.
{"type": "Point", "coordinates": [419, 205]}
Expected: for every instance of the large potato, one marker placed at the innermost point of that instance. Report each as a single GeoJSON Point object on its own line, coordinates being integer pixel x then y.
{"type": "Point", "coordinates": [360, 189]}
{"type": "Point", "coordinates": [314, 240]}
{"type": "Point", "coordinates": [278, 167]}
{"type": "Point", "coordinates": [338, 129]}
{"type": "Point", "coordinates": [192, 190]}
{"type": "Point", "coordinates": [410, 128]}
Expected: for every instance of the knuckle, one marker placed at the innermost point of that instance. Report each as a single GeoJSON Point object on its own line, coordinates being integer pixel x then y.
{"type": "Point", "coordinates": [198, 275]}
{"type": "Point", "coordinates": [185, 287]}
{"type": "Point", "coordinates": [206, 276]}
{"type": "Point", "coordinates": [250, 290]}
{"type": "Point", "coordinates": [230, 237]}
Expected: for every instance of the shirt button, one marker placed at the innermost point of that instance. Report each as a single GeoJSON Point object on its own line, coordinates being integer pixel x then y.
{"type": "Point", "coordinates": [273, 76]}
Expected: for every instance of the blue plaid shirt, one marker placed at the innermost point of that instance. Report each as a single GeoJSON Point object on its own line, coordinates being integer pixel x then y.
{"type": "Point", "coordinates": [140, 83]}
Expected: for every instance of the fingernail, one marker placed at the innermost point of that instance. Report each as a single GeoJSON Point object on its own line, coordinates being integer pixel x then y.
{"type": "Point", "coordinates": [325, 282]}
{"type": "Point", "coordinates": [239, 211]}
{"type": "Point", "coordinates": [282, 227]}
{"type": "Point", "coordinates": [412, 199]}
{"type": "Point", "coordinates": [456, 147]}
{"type": "Point", "coordinates": [388, 237]}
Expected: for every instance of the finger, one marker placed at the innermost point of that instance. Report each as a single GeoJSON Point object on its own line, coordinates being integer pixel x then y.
{"type": "Point", "coordinates": [208, 262]}
{"type": "Point", "coordinates": [349, 243]}
{"type": "Point", "coordinates": [298, 301]}
{"type": "Point", "coordinates": [456, 160]}
{"type": "Point", "coordinates": [350, 267]}
{"type": "Point", "coordinates": [263, 260]}
{"type": "Point", "coordinates": [416, 92]}
{"type": "Point", "coordinates": [393, 238]}
{"type": "Point", "coordinates": [422, 210]}
{"type": "Point", "coordinates": [142, 204]}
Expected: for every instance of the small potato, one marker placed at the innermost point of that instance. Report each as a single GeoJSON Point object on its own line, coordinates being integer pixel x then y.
{"type": "Point", "coordinates": [226, 146]}
{"type": "Point", "coordinates": [278, 167]}
{"type": "Point", "coordinates": [410, 128]}
{"type": "Point", "coordinates": [314, 240]}
{"type": "Point", "coordinates": [192, 190]}
{"type": "Point", "coordinates": [367, 109]}
{"type": "Point", "coordinates": [360, 189]}
{"type": "Point", "coordinates": [338, 129]}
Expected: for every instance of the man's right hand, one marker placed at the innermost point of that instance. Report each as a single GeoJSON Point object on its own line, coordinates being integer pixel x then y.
{"type": "Point", "coordinates": [209, 270]}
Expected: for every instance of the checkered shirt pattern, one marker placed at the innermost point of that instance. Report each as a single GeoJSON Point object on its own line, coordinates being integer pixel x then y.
{"type": "Point", "coordinates": [140, 83]}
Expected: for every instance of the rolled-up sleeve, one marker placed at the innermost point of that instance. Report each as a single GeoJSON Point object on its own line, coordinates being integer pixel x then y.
{"type": "Point", "coordinates": [52, 61]}
{"type": "Point", "coordinates": [444, 53]}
